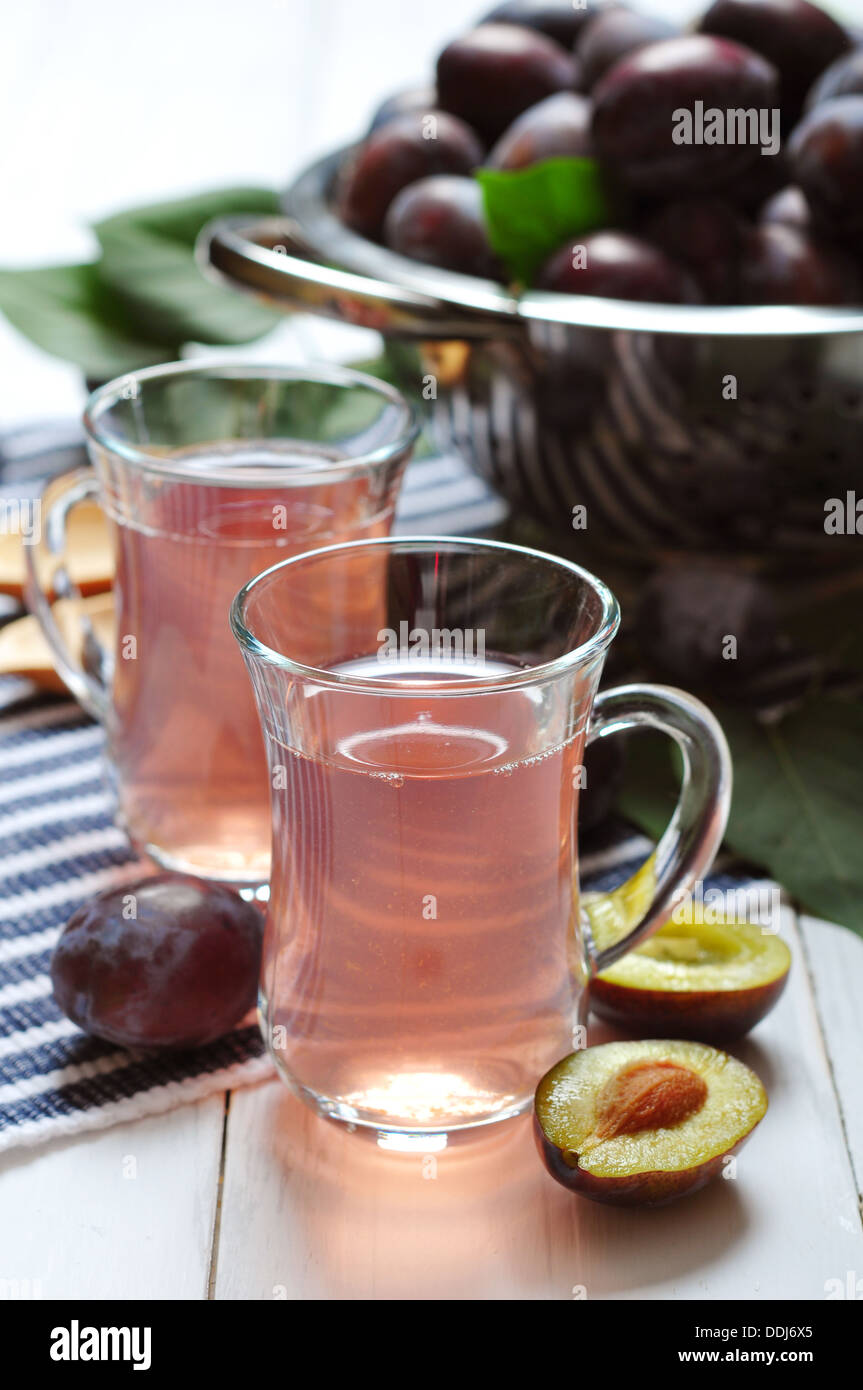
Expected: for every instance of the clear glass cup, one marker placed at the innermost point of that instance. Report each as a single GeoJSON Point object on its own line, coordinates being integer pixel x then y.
{"type": "Point", "coordinates": [425, 959]}
{"type": "Point", "coordinates": [208, 473]}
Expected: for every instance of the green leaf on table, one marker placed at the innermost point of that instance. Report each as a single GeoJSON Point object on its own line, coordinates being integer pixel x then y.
{"type": "Point", "coordinates": [148, 264]}
{"type": "Point", "coordinates": [531, 212]}
{"type": "Point", "coordinates": [66, 311]}
{"type": "Point", "coordinates": [796, 808]}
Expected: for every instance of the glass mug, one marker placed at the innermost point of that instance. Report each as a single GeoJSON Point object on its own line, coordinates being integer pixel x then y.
{"type": "Point", "coordinates": [425, 958]}
{"type": "Point", "coordinates": [207, 474]}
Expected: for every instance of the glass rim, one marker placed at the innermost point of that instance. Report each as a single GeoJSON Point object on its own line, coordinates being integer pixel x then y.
{"type": "Point", "coordinates": [106, 397]}
{"type": "Point", "coordinates": [529, 675]}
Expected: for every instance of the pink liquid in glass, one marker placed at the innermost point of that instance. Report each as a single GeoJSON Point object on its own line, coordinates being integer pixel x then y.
{"type": "Point", "coordinates": [185, 735]}
{"type": "Point", "coordinates": [421, 921]}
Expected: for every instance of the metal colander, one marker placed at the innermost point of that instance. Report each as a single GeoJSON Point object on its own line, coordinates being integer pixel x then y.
{"type": "Point", "coordinates": [676, 428]}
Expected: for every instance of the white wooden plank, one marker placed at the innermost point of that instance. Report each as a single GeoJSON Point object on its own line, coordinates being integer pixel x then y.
{"type": "Point", "coordinates": [309, 1211]}
{"type": "Point", "coordinates": [122, 1213]}
{"type": "Point", "coordinates": [834, 956]}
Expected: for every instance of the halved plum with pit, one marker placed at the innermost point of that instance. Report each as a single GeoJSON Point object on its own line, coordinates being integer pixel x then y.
{"type": "Point", "coordinates": [700, 980]}
{"type": "Point", "coordinates": [643, 1123]}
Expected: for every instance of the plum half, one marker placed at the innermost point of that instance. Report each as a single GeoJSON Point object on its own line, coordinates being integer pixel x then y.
{"type": "Point", "coordinates": [643, 1123]}
{"type": "Point", "coordinates": [702, 980]}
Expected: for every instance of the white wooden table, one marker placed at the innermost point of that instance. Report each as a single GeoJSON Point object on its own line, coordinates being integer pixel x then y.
{"type": "Point", "coordinates": [249, 1196]}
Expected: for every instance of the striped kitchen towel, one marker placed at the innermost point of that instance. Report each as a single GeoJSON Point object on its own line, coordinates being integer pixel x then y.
{"type": "Point", "coordinates": [59, 846]}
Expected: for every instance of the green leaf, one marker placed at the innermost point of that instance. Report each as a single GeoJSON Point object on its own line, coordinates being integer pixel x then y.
{"type": "Point", "coordinates": [796, 809]}
{"type": "Point", "coordinates": [797, 806]}
{"type": "Point", "coordinates": [180, 219]}
{"type": "Point", "coordinates": [531, 212]}
{"type": "Point", "coordinates": [65, 311]}
{"type": "Point", "coordinates": [148, 264]}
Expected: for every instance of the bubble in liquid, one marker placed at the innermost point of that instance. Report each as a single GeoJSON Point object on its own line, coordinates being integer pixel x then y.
{"type": "Point", "coordinates": [393, 779]}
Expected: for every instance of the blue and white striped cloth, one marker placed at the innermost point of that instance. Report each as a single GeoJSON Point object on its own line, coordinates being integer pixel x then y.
{"type": "Point", "coordinates": [59, 846]}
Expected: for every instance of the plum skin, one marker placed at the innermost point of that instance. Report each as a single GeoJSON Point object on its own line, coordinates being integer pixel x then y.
{"type": "Point", "coordinates": [440, 220]}
{"type": "Point", "coordinates": [787, 208]}
{"type": "Point", "coordinates": [491, 75]}
{"type": "Point", "coordinates": [562, 21]}
{"type": "Point", "coordinates": [783, 264]}
{"type": "Point", "coordinates": [557, 127]}
{"type": "Point", "coordinates": [395, 155]}
{"type": "Point", "coordinates": [826, 156]}
{"type": "Point", "coordinates": [707, 236]}
{"type": "Point", "coordinates": [799, 38]}
{"type": "Point", "coordinates": [617, 266]}
{"type": "Point", "coordinates": [180, 973]}
{"type": "Point", "coordinates": [635, 104]}
{"type": "Point", "coordinates": [414, 101]}
{"type": "Point", "coordinates": [844, 78]}
{"type": "Point", "coordinates": [712, 1016]}
{"type": "Point", "coordinates": [613, 36]}
{"type": "Point", "coordinates": [647, 1189]}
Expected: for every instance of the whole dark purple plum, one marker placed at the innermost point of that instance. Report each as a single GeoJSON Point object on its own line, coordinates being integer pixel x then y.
{"type": "Point", "coordinates": [556, 127]}
{"type": "Point", "coordinates": [398, 153]}
{"type": "Point", "coordinates": [440, 220]}
{"type": "Point", "coordinates": [784, 265]}
{"type": "Point", "coordinates": [615, 265]}
{"type": "Point", "coordinates": [613, 36]}
{"type": "Point", "coordinates": [643, 106]}
{"type": "Point", "coordinates": [826, 158]}
{"type": "Point", "coordinates": [489, 76]}
{"type": "Point", "coordinates": [798, 38]}
{"type": "Point", "coordinates": [563, 20]}
{"type": "Point", "coordinates": [169, 961]}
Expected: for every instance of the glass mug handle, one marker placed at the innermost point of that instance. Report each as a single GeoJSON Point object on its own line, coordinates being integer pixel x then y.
{"type": "Point", "coordinates": [47, 572]}
{"type": "Point", "coordinates": [694, 833]}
